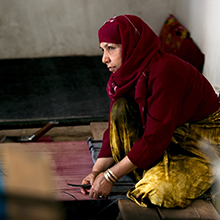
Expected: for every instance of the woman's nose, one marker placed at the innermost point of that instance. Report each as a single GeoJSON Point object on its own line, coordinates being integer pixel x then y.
{"type": "Point", "coordinates": [105, 58]}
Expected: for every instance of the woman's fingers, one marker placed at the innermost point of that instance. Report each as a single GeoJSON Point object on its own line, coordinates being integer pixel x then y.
{"type": "Point", "coordinates": [101, 187]}
{"type": "Point", "coordinates": [85, 190]}
{"type": "Point", "coordinates": [88, 180]}
{"type": "Point", "coordinates": [93, 194]}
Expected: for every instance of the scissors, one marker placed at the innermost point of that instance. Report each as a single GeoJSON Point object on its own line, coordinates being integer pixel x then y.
{"type": "Point", "coordinates": [88, 185]}
{"type": "Point", "coordinates": [80, 185]}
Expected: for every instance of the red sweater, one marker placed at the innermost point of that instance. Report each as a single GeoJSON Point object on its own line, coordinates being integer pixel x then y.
{"type": "Point", "coordinates": [174, 93]}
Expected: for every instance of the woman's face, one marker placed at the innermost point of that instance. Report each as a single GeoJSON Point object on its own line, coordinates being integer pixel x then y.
{"type": "Point", "coordinates": [112, 56]}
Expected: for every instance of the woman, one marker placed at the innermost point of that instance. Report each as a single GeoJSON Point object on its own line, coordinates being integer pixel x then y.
{"type": "Point", "coordinates": [161, 110]}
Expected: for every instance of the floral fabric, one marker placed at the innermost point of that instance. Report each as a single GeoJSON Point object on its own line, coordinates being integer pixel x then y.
{"type": "Point", "coordinates": [176, 40]}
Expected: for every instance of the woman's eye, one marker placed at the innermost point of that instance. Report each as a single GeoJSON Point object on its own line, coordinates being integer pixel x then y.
{"type": "Point", "coordinates": [111, 48]}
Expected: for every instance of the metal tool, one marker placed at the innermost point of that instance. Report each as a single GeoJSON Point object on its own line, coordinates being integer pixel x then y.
{"type": "Point", "coordinates": [31, 138]}
{"type": "Point", "coordinates": [80, 185]}
{"type": "Point", "coordinates": [89, 185]}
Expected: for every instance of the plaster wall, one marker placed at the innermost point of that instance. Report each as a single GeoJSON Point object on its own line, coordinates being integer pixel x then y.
{"type": "Point", "coordinates": [202, 19]}
{"type": "Point", "coordinates": [68, 27]}
{"type": "Point", "coordinates": [47, 28]}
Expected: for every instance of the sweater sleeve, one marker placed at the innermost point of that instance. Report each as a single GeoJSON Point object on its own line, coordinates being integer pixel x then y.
{"type": "Point", "coordinates": [164, 106]}
{"type": "Point", "coordinates": [175, 97]}
{"type": "Point", "coordinates": [105, 150]}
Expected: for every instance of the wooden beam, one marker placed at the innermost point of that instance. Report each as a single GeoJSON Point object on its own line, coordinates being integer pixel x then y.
{"type": "Point", "coordinates": [98, 129]}
{"type": "Point", "coordinates": [199, 209]}
{"type": "Point", "coordinates": [131, 211]}
{"type": "Point", "coordinates": [205, 209]}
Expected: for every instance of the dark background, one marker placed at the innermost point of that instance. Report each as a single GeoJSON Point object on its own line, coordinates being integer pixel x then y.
{"type": "Point", "coordinates": [71, 90]}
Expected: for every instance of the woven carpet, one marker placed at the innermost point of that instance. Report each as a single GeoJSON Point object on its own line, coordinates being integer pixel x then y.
{"type": "Point", "coordinates": [70, 163]}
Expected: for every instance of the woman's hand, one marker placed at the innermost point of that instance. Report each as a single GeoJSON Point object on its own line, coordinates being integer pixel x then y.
{"type": "Point", "coordinates": [101, 187]}
{"type": "Point", "coordinates": [101, 165]}
{"type": "Point", "coordinates": [89, 179]}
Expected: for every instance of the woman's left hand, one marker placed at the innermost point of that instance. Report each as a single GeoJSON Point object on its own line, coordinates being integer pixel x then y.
{"type": "Point", "coordinates": [101, 188]}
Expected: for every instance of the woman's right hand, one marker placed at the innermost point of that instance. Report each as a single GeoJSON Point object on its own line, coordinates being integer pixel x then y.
{"type": "Point", "coordinates": [100, 165]}
{"type": "Point", "coordinates": [89, 179]}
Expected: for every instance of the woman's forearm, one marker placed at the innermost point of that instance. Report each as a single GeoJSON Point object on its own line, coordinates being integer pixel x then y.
{"type": "Point", "coordinates": [103, 164]}
{"type": "Point", "coordinates": [124, 167]}
{"type": "Point", "coordinates": [120, 169]}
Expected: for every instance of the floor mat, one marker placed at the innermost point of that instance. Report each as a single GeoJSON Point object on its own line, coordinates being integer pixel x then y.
{"type": "Point", "coordinates": [58, 87]}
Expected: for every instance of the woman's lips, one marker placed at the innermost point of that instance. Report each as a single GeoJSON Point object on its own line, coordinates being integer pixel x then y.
{"type": "Point", "coordinates": [111, 68]}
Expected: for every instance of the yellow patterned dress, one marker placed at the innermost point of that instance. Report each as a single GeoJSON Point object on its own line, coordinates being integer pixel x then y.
{"type": "Point", "coordinates": [185, 170]}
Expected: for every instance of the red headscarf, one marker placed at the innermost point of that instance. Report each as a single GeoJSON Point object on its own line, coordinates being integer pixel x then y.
{"type": "Point", "coordinates": [139, 44]}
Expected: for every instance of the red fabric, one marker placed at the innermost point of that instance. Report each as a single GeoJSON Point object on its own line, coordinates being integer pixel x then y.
{"type": "Point", "coordinates": [44, 139]}
{"type": "Point", "coordinates": [109, 32]}
{"type": "Point", "coordinates": [170, 92]}
{"type": "Point", "coordinates": [139, 44]}
{"type": "Point", "coordinates": [176, 40]}
{"type": "Point", "coordinates": [177, 93]}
